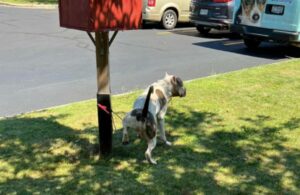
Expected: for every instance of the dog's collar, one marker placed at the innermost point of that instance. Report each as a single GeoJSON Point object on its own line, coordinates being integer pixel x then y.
{"type": "Point", "coordinates": [168, 92]}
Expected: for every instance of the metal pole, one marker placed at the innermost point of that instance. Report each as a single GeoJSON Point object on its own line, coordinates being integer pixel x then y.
{"type": "Point", "coordinates": [103, 93]}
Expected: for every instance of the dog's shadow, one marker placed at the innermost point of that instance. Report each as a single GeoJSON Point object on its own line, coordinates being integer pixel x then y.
{"type": "Point", "coordinates": [177, 124]}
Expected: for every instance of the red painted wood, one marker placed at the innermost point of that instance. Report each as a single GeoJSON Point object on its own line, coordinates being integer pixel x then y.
{"type": "Point", "coordinates": [100, 15]}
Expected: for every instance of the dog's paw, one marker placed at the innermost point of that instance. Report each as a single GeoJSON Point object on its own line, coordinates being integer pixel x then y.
{"type": "Point", "coordinates": [125, 142]}
{"type": "Point", "coordinates": [153, 162]}
{"type": "Point", "coordinates": [168, 143]}
{"type": "Point", "coordinates": [150, 160]}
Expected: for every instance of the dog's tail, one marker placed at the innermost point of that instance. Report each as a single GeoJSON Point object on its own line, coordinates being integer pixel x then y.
{"type": "Point", "coordinates": [146, 105]}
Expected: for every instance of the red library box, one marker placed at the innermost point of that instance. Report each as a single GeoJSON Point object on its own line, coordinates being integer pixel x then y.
{"type": "Point", "coordinates": [100, 15]}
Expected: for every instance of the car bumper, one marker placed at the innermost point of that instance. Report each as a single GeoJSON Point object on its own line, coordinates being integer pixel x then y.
{"type": "Point", "coordinates": [213, 23]}
{"type": "Point", "coordinates": [265, 34]}
{"type": "Point", "coordinates": [151, 15]}
{"type": "Point", "coordinates": [214, 15]}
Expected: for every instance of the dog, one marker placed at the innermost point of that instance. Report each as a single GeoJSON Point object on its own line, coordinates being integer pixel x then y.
{"type": "Point", "coordinates": [252, 11]}
{"type": "Point", "coordinates": [149, 110]}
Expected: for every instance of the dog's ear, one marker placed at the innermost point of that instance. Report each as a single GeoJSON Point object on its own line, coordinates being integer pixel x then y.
{"type": "Point", "coordinates": [173, 80]}
{"type": "Point", "coordinates": [167, 75]}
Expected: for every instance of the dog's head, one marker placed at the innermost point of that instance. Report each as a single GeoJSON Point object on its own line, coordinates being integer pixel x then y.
{"type": "Point", "coordinates": [177, 88]}
{"type": "Point", "coordinates": [253, 9]}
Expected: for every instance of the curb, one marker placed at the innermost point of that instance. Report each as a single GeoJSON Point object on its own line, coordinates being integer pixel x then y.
{"type": "Point", "coordinates": [29, 6]}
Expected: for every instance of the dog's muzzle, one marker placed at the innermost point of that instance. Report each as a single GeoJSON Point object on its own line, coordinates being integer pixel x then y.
{"type": "Point", "coordinates": [182, 93]}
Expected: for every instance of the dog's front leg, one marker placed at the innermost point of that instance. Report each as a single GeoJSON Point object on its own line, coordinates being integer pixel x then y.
{"type": "Point", "coordinates": [162, 133]}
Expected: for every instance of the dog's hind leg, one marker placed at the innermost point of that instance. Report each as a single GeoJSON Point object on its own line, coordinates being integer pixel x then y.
{"type": "Point", "coordinates": [162, 133]}
{"type": "Point", "coordinates": [151, 146]}
{"type": "Point", "coordinates": [125, 139]}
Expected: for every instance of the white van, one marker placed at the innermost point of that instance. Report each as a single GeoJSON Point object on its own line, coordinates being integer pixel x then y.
{"type": "Point", "coordinates": [267, 20]}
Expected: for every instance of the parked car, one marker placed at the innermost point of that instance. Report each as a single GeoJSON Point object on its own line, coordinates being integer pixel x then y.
{"type": "Point", "coordinates": [211, 14]}
{"type": "Point", "coordinates": [168, 12]}
{"type": "Point", "coordinates": [267, 21]}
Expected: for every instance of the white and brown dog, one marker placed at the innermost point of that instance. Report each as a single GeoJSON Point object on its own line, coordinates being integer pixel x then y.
{"type": "Point", "coordinates": [149, 111]}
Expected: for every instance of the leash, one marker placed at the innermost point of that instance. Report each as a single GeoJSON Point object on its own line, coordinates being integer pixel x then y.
{"type": "Point", "coordinates": [110, 112]}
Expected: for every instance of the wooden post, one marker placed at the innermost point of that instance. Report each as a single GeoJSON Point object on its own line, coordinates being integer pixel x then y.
{"type": "Point", "coordinates": [103, 93]}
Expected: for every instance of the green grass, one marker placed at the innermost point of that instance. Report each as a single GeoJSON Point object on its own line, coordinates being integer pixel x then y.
{"type": "Point", "coordinates": [237, 133]}
{"type": "Point", "coordinates": [24, 2]}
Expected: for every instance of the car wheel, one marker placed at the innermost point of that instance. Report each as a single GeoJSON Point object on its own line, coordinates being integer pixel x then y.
{"type": "Point", "coordinates": [203, 30]}
{"type": "Point", "coordinates": [251, 44]}
{"type": "Point", "coordinates": [144, 23]}
{"type": "Point", "coordinates": [169, 19]}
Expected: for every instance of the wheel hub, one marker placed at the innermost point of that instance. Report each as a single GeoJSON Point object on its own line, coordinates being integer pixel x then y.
{"type": "Point", "coordinates": [170, 19]}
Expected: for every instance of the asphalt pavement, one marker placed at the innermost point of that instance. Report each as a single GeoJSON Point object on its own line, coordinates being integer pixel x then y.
{"type": "Point", "coordinates": [43, 65]}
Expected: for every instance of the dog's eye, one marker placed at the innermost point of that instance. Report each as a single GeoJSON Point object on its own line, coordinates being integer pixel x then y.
{"type": "Point", "coordinates": [179, 82]}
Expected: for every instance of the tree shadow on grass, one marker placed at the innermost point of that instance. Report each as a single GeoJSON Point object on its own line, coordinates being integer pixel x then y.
{"type": "Point", "coordinates": [40, 155]}
{"type": "Point", "coordinates": [43, 1]}
{"type": "Point", "coordinates": [252, 159]}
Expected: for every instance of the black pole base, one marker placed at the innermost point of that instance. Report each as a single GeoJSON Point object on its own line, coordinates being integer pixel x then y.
{"type": "Point", "coordinates": [105, 124]}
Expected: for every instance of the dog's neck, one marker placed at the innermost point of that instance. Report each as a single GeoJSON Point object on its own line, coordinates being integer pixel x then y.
{"type": "Point", "coordinates": [168, 89]}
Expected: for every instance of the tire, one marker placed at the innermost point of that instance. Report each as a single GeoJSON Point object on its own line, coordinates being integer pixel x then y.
{"type": "Point", "coordinates": [251, 44]}
{"type": "Point", "coordinates": [169, 19]}
{"type": "Point", "coordinates": [203, 30]}
{"type": "Point", "coordinates": [144, 23]}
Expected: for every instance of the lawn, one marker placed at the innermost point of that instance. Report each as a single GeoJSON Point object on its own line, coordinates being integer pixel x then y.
{"type": "Point", "coordinates": [23, 2]}
{"type": "Point", "coordinates": [236, 133]}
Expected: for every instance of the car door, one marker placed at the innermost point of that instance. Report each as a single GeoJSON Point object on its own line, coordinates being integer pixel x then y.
{"type": "Point", "coordinates": [282, 15]}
